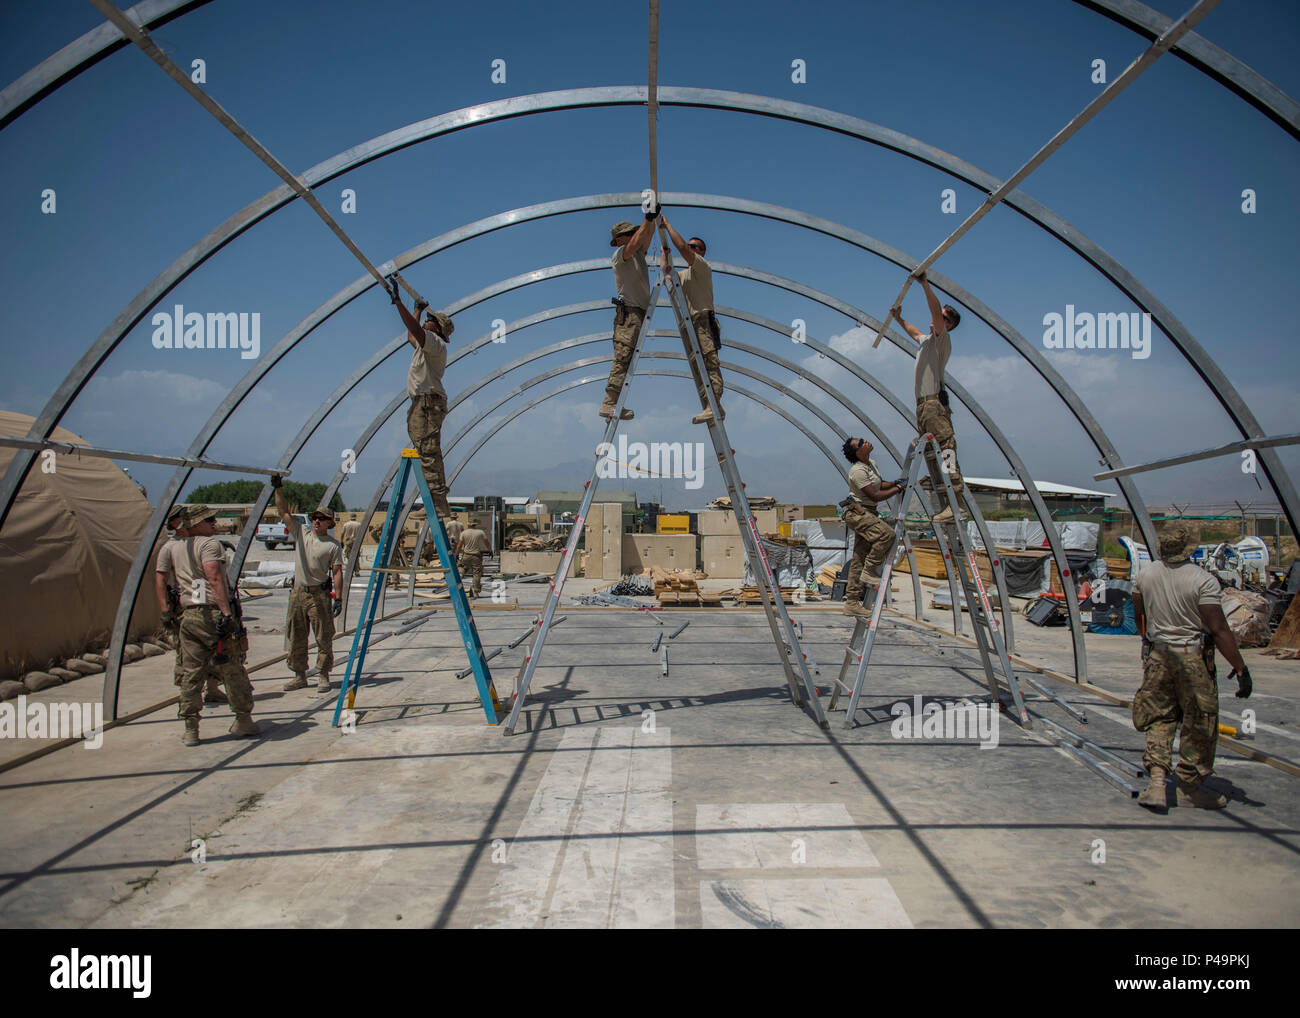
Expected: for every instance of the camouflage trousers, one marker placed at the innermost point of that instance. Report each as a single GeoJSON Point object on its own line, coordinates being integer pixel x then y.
{"type": "Point", "coordinates": [471, 565]}
{"type": "Point", "coordinates": [1178, 689]}
{"type": "Point", "coordinates": [704, 322]}
{"type": "Point", "coordinates": [424, 425]}
{"type": "Point", "coordinates": [872, 541]}
{"type": "Point", "coordinates": [213, 681]}
{"type": "Point", "coordinates": [309, 613]}
{"type": "Point", "coordinates": [935, 418]}
{"type": "Point", "coordinates": [198, 638]}
{"type": "Point", "coordinates": [627, 326]}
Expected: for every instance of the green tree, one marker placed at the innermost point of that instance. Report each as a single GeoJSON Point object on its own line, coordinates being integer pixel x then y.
{"type": "Point", "coordinates": [305, 496]}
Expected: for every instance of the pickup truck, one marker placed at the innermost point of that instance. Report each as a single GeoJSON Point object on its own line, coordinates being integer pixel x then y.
{"type": "Point", "coordinates": [274, 534]}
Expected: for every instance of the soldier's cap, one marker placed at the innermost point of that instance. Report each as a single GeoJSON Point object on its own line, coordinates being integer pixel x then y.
{"type": "Point", "coordinates": [1177, 541]}
{"type": "Point", "coordinates": [445, 325]}
{"type": "Point", "coordinates": [324, 514]}
{"type": "Point", "coordinates": [197, 514]}
{"type": "Point", "coordinates": [618, 230]}
{"type": "Point", "coordinates": [183, 513]}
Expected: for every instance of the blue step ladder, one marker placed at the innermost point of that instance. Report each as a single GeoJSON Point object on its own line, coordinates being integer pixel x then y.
{"type": "Point", "coordinates": [487, 694]}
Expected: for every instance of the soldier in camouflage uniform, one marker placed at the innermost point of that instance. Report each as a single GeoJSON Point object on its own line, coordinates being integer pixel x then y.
{"type": "Point", "coordinates": [697, 287]}
{"type": "Point", "coordinates": [169, 601]}
{"type": "Point", "coordinates": [316, 599]}
{"type": "Point", "coordinates": [428, 397]}
{"type": "Point", "coordinates": [632, 281]}
{"type": "Point", "coordinates": [872, 536]}
{"type": "Point", "coordinates": [932, 413]}
{"type": "Point", "coordinates": [1176, 605]}
{"type": "Point", "coordinates": [208, 626]}
{"type": "Point", "coordinates": [470, 547]}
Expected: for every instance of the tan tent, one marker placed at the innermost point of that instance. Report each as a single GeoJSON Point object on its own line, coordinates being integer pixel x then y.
{"type": "Point", "coordinates": [65, 551]}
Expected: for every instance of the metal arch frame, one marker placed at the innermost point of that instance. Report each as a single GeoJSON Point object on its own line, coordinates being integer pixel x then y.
{"type": "Point", "coordinates": [82, 53]}
{"type": "Point", "coordinates": [634, 95]}
{"type": "Point", "coordinates": [349, 293]}
{"type": "Point", "coordinates": [1207, 58]}
{"type": "Point", "coordinates": [605, 337]}
{"type": "Point", "coordinates": [1225, 69]}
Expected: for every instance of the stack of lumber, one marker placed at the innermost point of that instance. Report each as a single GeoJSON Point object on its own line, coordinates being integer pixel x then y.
{"type": "Point", "coordinates": [527, 542]}
{"type": "Point", "coordinates": [682, 589]}
{"type": "Point", "coordinates": [756, 502]}
{"type": "Point", "coordinates": [750, 595]}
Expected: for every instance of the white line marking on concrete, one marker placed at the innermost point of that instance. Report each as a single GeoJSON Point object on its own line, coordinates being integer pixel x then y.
{"type": "Point", "coordinates": [810, 903]}
{"type": "Point", "coordinates": [746, 838]}
{"type": "Point", "coordinates": [586, 873]}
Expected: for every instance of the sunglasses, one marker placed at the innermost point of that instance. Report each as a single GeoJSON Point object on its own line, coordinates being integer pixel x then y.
{"type": "Point", "coordinates": [696, 247]}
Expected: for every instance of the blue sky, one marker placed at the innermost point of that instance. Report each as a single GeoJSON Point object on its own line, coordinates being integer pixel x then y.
{"type": "Point", "coordinates": [142, 172]}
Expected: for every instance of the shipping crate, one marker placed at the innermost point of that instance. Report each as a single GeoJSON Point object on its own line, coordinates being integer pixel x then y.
{"type": "Point", "coordinates": [723, 557]}
{"type": "Point", "coordinates": [523, 563]}
{"type": "Point", "coordinates": [668, 551]}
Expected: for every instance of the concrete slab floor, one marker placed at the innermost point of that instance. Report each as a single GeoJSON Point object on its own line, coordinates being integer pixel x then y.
{"type": "Point", "coordinates": [631, 799]}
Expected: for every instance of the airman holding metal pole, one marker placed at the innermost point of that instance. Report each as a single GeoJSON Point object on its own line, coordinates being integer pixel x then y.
{"type": "Point", "coordinates": [424, 386]}
{"type": "Point", "coordinates": [317, 595]}
{"type": "Point", "coordinates": [697, 286]}
{"type": "Point", "coordinates": [471, 547]}
{"type": "Point", "coordinates": [632, 279]}
{"type": "Point", "coordinates": [932, 413]}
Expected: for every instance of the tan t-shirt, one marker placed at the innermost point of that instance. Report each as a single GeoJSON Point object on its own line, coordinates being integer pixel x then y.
{"type": "Point", "coordinates": [1170, 597]}
{"type": "Point", "coordinates": [474, 542]}
{"type": "Point", "coordinates": [427, 366]}
{"type": "Point", "coordinates": [454, 529]}
{"type": "Point", "coordinates": [860, 476]}
{"type": "Point", "coordinates": [632, 277]}
{"type": "Point", "coordinates": [314, 557]}
{"type": "Point", "coordinates": [697, 284]}
{"type": "Point", "coordinates": [930, 362]}
{"type": "Point", "coordinates": [184, 560]}
{"type": "Point", "coordinates": [165, 553]}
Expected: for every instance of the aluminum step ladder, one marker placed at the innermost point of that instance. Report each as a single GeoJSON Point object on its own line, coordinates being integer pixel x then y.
{"type": "Point", "coordinates": [487, 694]}
{"type": "Point", "coordinates": [964, 580]}
{"type": "Point", "coordinates": [529, 666]}
{"type": "Point", "coordinates": [793, 657]}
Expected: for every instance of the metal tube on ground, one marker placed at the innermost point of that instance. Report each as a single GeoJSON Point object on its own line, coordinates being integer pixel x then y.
{"type": "Point", "coordinates": [1120, 783]}
{"type": "Point", "coordinates": [1073, 711]}
{"type": "Point", "coordinates": [1091, 747]}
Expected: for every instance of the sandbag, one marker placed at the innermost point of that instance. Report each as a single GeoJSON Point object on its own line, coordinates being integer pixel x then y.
{"type": "Point", "coordinates": [1247, 615]}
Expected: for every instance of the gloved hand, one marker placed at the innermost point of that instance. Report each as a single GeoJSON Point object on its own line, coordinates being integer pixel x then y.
{"type": "Point", "coordinates": [337, 610]}
{"type": "Point", "coordinates": [901, 483]}
{"type": "Point", "coordinates": [276, 480]}
{"type": "Point", "coordinates": [1244, 685]}
{"type": "Point", "coordinates": [655, 209]}
{"type": "Point", "coordinates": [225, 626]}
{"type": "Point", "coordinates": [170, 620]}
{"type": "Point", "coordinates": [420, 305]}
{"type": "Point", "coordinates": [393, 292]}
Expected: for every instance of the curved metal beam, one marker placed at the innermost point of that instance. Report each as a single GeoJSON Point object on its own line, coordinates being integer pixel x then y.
{"type": "Point", "coordinates": [1207, 58]}
{"type": "Point", "coordinates": [82, 54]}
{"type": "Point", "coordinates": [709, 98]}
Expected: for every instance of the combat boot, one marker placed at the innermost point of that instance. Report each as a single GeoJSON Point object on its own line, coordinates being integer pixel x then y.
{"type": "Point", "coordinates": [607, 411]}
{"type": "Point", "coordinates": [1195, 795]}
{"type": "Point", "coordinates": [852, 607]}
{"type": "Point", "coordinates": [706, 416]}
{"type": "Point", "coordinates": [1155, 798]}
{"type": "Point", "coordinates": [323, 683]}
{"type": "Point", "coordinates": [944, 517]}
{"type": "Point", "coordinates": [191, 735]}
{"type": "Point", "coordinates": [245, 727]}
{"type": "Point", "coordinates": [299, 681]}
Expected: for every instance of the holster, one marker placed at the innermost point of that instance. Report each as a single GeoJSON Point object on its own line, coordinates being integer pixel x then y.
{"type": "Point", "coordinates": [943, 396]}
{"type": "Point", "coordinates": [1207, 654]}
{"type": "Point", "coordinates": [717, 331]}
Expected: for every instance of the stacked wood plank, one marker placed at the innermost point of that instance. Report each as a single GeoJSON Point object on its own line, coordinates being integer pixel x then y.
{"type": "Point", "coordinates": [749, 595]}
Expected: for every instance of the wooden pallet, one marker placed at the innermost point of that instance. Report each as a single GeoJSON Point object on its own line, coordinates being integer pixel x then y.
{"type": "Point", "coordinates": [690, 598]}
{"type": "Point", "coordinates": [750, 595]}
